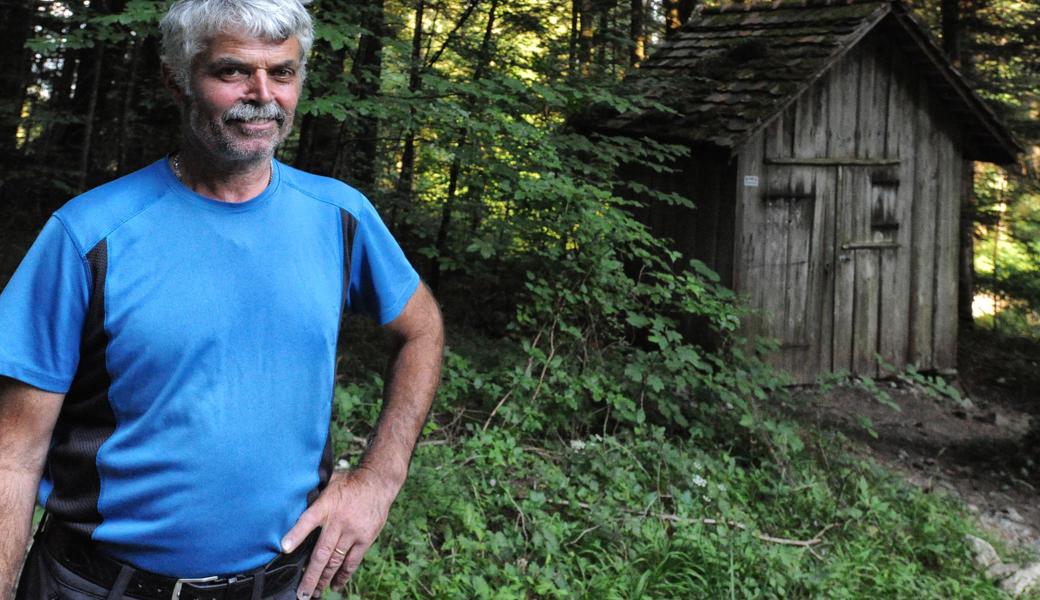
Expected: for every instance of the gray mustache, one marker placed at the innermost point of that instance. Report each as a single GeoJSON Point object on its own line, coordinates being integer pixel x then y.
{"type": "Point", "coordinates": [253, 112]}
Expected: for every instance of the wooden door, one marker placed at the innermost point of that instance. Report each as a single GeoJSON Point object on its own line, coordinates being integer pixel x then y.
{"type": "Point", "coordinates": [793, 290]}
{"type": "Point", "coordinates": [827, 275]}
{"type": "Point", "coordinates": [867, 247]}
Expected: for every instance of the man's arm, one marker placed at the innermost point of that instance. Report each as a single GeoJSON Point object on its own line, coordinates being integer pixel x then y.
{"type": "Point", "coordinates": [27, 417]}
{"type": "Point", "coordinates": [353, 508]}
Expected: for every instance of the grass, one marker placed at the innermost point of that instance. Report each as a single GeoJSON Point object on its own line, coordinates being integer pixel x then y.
{"type": "Point", "coordinates": [644, 516]}
{"type": "Point", "coordinates": [712, 510]}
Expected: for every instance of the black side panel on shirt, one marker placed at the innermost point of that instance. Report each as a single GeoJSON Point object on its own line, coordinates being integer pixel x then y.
{"type": "Point", "coordinates": [349, 224]}
{"type": "Point", "coordinates": [86, 418]}
{"type": "Point", "coordinates": [349, 232]}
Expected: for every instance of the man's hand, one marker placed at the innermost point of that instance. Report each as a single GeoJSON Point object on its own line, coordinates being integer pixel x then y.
{"type": "Point", "coordinates": [351, 512]}
{"type": "Point", "coordinates": [353, 507]}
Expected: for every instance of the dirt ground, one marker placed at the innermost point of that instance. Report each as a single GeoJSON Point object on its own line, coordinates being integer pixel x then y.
{"type": "Point", "coordinates": [980, 450]}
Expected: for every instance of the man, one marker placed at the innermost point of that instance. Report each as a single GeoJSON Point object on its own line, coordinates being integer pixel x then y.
{"type": "Point", "coordinates": [168, 350]}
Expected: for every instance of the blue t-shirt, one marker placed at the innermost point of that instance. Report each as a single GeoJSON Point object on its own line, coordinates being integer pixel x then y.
{"type": "Point", "coordinates": [195, 341]}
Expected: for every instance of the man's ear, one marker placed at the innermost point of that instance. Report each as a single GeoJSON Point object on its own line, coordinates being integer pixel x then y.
{"type": "Point", "coordinates": [173, 85]}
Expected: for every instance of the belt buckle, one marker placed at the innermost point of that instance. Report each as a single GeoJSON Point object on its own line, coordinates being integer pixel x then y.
{"type": "Point", "coordinates": [177, 586]}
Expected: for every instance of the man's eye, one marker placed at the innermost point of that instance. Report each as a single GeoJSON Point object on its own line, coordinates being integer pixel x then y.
{"type": "Point", "coordinates": [283, 73]}
{"type": "Point", "coordinates": [231, 73]}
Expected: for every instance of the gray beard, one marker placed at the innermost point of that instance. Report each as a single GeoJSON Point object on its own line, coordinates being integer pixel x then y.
{"type": "Point", "coordinates": [217, 139]}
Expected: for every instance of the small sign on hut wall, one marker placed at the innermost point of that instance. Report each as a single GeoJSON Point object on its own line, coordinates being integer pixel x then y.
{"type": "Point", "coordinates": [751, 181]}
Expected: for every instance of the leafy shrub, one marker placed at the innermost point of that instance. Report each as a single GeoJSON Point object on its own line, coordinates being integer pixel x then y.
{"type": "Point", "coordinates": [652, 516]}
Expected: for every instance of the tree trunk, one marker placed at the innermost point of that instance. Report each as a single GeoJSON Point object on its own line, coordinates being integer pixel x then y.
{"type": "Point", "coordinates": [966, 277]}
{"type": "Point", "coordinates": [586, 34]}
{"type": "Point", "coordinates": [357, 161]}
{"type": "Point", "coordinates": [572, 46]}
{"type": "Point", "coordinates": [319, 132]}
{"type": "Point", "coordinates": [600, 37]}
{"type": "Point", "coordinates": [447, 211]}
{"type": "Point", "coordinates": [16, 20]}
{"type": "Point", "coordinates": [405, 179]}
{"type": "Point", "coordinates": [128, 98]}
{"type": "Point", "coordinates": [952, 44]}
{"type": "Point", "coordinates": [72, 143]}
{"type": "Point", "coordinates": [951, 30]}
{"type": "Point", "coordinates": [636, 33]}
{"type": "Point", "coordinates": [305, 145]}
{"type": "Point", "coordinates": [88, 126]}
{"type": "Point", "coordinates": [59, 102]}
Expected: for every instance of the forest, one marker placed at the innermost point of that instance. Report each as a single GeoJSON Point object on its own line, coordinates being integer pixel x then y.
{"type": "Point", "coordinates": [581, 444]}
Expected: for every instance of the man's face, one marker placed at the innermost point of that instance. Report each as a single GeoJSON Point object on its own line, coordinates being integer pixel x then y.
{"type": "Point", "coordinates": [243, 95]}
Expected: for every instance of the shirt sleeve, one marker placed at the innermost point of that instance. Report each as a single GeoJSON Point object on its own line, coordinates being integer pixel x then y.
{"type": "Point", "coordinates": [381, 278]}
{"type": "Point", "coordinates": [42, 310]}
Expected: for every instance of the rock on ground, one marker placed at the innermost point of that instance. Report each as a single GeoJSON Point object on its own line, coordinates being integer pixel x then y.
{"type": "Point", "coordinates": [1022, 580]}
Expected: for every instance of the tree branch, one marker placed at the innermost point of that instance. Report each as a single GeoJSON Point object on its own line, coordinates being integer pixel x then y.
{"type": "Point", "coordinates": [432, 60]}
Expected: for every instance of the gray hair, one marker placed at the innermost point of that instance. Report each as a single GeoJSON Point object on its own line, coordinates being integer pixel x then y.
{"type": "Point", "coordinates": [191, 24]}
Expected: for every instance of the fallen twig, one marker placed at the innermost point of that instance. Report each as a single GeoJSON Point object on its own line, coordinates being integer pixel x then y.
{"type": "Point", "coordinates": [814, 541]}
{"type": "Point", "coordinates": [495, 411]}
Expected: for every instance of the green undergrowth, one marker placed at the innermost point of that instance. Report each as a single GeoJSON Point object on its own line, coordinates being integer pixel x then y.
{"type": "Point", "coordinates": [647, 514]}
{"type": "Point", "coordinates": [559, 497]}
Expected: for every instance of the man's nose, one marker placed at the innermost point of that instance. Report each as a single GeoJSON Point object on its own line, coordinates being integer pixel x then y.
{"type": "Point", "coordinates": [260, 87]}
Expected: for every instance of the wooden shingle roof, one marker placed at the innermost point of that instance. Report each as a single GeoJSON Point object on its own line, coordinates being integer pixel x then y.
{"type": "Point", "coordinates": [729, 72]}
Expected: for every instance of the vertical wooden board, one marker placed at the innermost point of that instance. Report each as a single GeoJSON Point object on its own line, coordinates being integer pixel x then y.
{"type": "Point", "coordinates": [865, 279]}
{"type": "Point", "coordinates": [773, 273]}
{"type": "Point", "coordinates": [699, 174]}
{"type": "Point", "coordinates": [823, 267]}
{"type": "Point", "coordinates": [774, 139]}
{"type": "Point", "coordinates": [714, 182]}
{"type": "Point", "coordinates": [726, 240]}
{"type": "Point", "coordinates": [708, 227]}
{"type": "Point", "coordinates": [749, 220]}
{"type": "Point", "coordinates": [885, 214]}
{"type": "Point", "coordinates": [677, 223]}
{"type": "Point", "coordinates": [682, 226]}
{"type": "Point", "coordinates": [857, 275]}
{"type": "Point", "coordinates": [842, 102]}
{"type": "Point", "coordinates": [779, 136]}
{"type": "Point", "coordinates": [894, 345]}
{"type": "Point", "coordinates": [789, 200]}
{"type": "Point", "coordinates": [805, 290]}
{"type": "Point", "coordinates": [865, 317]}
{"type": "Point", "coordinates": [810, 120]}
{"type": "Point", "coordinates": [753, 288]}
{"type": "Point", "coordinates": [892, 329]}
{"type": "Point", "coordinates": [845, 271]}
{"type": "Point", "coordinates": [787, 131]}
{"type": "Point", "coordinates": [923, 250]}
{"type": "Point", "coordinates": [798, 234]}
{"type": "Point", "coordinates": [873, 100]}
{"type": "Point", "coordinates": [944, 325]}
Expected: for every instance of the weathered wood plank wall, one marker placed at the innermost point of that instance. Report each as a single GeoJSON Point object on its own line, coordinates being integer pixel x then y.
{"type": "Point", "coordinates": [858, 210]}
{"type": "Point", "coordinates": [899, 141]}
{"type": "Point", "coordinates": [706, 232]}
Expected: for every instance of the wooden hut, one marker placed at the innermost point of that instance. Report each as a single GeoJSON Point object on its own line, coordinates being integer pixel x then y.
{"type": "Point", "coordinates": [830, 150]}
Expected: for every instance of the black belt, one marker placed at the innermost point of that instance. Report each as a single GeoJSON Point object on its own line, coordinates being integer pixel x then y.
{"type": "Point", "coordinates": [80, 554]}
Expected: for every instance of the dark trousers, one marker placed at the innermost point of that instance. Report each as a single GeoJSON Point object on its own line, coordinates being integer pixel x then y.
{"type": "Point", "coordinates": [43, 578]}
